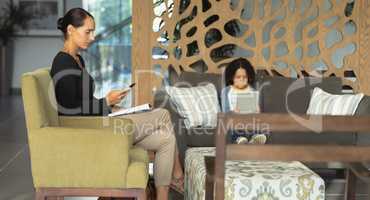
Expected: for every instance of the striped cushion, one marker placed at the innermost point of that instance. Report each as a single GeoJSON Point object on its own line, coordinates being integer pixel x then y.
{"type": "Point", "coordinates": [323, 103]}
{"type": "Point", "coordinates": [198, 105]}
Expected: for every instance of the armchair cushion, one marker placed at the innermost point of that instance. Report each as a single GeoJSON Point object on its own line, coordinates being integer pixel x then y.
{"type": "Point", "coordinates": [136, 178]}
{"type": "Point", "coordinates": [138, 162]}
{"type": "Point", "coordinates": [138, 155]}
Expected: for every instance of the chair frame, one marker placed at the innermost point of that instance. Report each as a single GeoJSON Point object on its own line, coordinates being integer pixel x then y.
{"type": "Point", "coordinates": [354, 155]}
{"type": "Point", "coordinates": [60, 193]}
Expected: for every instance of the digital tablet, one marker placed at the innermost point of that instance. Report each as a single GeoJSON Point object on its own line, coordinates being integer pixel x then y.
{"type": "Point", "coordinates": [248, 102]}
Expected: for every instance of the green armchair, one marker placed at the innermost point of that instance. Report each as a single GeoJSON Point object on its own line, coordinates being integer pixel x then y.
{"type": "Point", "coordinates": [78, 156]}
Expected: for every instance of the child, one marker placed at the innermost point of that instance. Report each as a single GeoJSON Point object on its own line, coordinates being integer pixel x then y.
{"type": "Point", "coordinates": [239, 79]}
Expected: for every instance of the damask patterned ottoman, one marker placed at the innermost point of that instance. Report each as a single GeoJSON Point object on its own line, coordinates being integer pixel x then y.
{"type": "Point", "coordinates": [254, 180]}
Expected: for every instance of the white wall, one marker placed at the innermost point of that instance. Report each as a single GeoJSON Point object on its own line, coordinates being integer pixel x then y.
{"type": "Point", "coordinates": [34, 52]}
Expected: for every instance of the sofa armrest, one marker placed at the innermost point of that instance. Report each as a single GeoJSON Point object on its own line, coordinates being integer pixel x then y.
{"type": "Point", "coordinates": [200, 137]}
{"type": "Point", "coordinates": [78, 157]}
{"type": "Point", "coordinates": [161, 98]}
{"type": "Point", "coordinates": [283, 123]}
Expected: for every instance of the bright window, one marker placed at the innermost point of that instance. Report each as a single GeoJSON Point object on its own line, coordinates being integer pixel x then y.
{"type": "Point", "coordinates": [108, 59]}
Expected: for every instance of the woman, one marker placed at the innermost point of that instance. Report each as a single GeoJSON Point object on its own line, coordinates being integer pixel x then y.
{"type": "Point", "coordinates": [74, 89]}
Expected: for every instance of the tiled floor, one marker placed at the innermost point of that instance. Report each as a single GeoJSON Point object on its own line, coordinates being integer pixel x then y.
{"type": "Point", "coordinates": [15, 172]}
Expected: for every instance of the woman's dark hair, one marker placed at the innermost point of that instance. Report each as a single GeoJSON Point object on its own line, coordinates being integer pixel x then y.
{"type": "Point", "coordinates": [232, 67]}
{"type": "Point", "coordinates": [74, 17]}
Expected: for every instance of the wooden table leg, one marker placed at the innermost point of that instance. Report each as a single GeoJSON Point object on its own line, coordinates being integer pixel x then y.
{"type": "Point", "coordinates": [210, 174]}
{"type": "Point", "coordinates": [350, 193]}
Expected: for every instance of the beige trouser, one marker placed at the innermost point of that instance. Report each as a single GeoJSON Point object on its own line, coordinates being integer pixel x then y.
{"type": "Point", "coordinates": [154, 132]}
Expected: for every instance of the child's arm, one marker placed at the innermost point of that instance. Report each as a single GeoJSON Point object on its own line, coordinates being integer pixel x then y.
{"type": "Point", "coordinates": [225, 104]}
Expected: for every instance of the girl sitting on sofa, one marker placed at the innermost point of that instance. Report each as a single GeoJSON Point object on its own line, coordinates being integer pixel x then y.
{"type": "Point", "coordinates": [239, 79]}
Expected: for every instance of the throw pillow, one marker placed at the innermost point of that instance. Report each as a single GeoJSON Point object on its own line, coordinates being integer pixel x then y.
{"type": "Point", "coordinates": [323, 103]}
{"type": "Point", "coordinates": [198, 105]}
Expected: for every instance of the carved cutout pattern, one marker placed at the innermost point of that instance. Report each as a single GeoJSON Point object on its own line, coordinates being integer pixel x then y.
{"type": "Point", "coordinates": [293, 38]}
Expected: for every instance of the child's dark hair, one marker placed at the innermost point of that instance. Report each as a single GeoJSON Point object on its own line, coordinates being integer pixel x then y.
{"type": "Point", "coordinates": [233, 66]}
{"type": "Point", "coordinates": [74, 17]}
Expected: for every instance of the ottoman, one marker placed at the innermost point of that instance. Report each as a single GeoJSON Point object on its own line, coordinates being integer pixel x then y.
{"type": "Point", "coordinates": [254, 180]}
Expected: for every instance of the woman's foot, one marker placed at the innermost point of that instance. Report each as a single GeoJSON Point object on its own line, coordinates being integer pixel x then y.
{"type": "Point", "coordinates": [177, 184]}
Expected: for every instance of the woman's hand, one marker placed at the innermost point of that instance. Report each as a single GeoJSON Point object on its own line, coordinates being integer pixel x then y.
{"type": "Point", "coordinates": [115, 96]}
{"type": "Point", "coordinates": [237, 110]}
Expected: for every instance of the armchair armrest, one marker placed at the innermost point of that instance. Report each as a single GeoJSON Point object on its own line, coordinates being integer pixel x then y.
{"type": "Point", "coordinates": [78, 157]}
{"type": "Point", "coordinates": [119, 125]}
{"type": "Point", "coordinates": [86, 122]}
{"type": "Point", "coordinates": [92, 121]}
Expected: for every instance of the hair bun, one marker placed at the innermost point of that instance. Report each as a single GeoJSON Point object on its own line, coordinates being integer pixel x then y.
{"type": "Point", "coordinates": [60, 24]}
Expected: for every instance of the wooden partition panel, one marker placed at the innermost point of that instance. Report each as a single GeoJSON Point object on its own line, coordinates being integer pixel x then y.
{"type": "Point", "coordinates": [141, 50]}
{"type": "Point", "coordinates": [364, 47]}
{"type": "Point", "coordinates": [290, 38]}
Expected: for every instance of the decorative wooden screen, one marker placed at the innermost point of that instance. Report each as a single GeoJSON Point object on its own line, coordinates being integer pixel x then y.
{"type": "Point", "coordinates": [286, 37]}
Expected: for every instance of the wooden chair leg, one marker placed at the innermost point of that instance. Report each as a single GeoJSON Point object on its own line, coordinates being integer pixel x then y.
{"type": "Point", "coordinates": [350, 193]}
{"type": "Point", "coordinates": [54, 198]}
{"type": "Point", "coordinates": [210, 174]}
{"type": "Point", "coordinates": [39, 196]}
{"type": "Point", "coordinates": [141, 195]}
